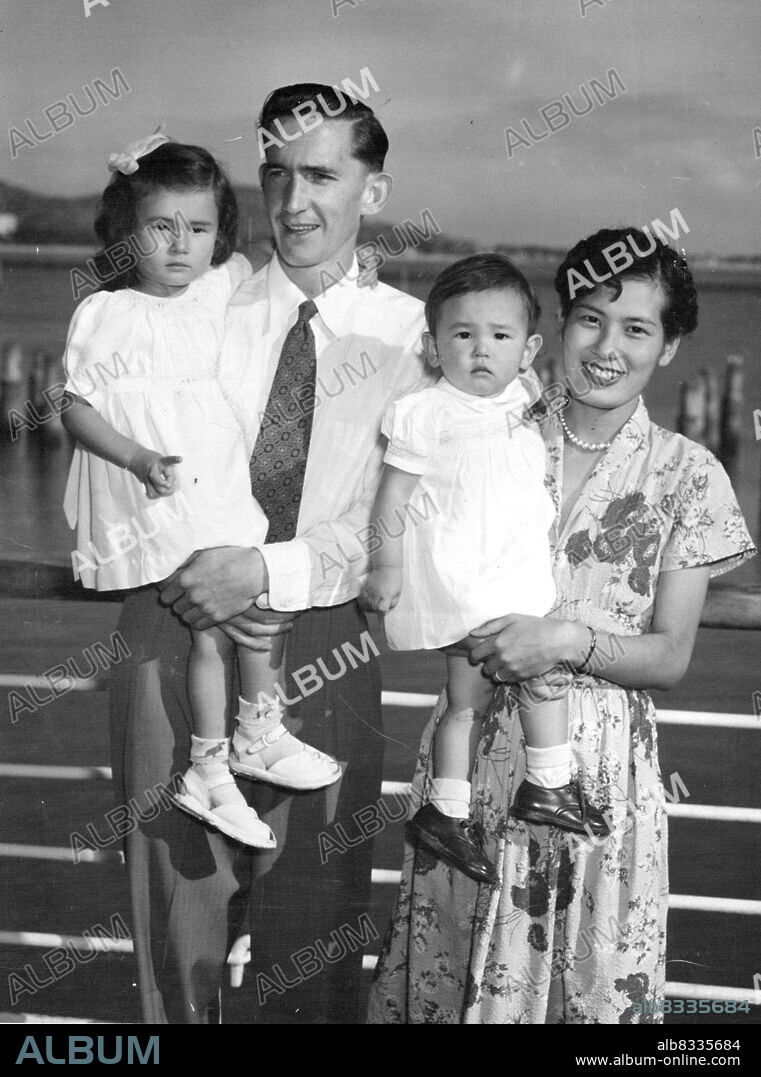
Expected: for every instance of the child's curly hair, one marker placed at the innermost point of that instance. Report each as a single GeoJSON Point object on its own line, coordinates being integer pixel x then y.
{"type": "Point", "coordinates": [175, 166]}
{"type": "Point", "coordinates": [652, 260]}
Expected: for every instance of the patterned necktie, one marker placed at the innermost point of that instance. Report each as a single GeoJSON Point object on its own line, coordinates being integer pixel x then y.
{"type": "Point", "coordinates": [279, 460]}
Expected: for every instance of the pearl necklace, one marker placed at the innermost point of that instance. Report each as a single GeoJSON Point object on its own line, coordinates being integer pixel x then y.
{"type": "Point", "coordinates": [588, 446]}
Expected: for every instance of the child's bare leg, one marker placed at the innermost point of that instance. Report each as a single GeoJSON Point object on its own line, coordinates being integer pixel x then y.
{"type": "Point", "coordinates": [548, 750]}
{"type": "Point", "coordinates": [209, 669]}
{"type": "Point", "coordinates": [544, 721]}
{"type": "Point", "coordinates": [469, 694]}
{"type": "Point", "coordinates": [261, 675]}
{"type": "Point", "coordinates": [260, 741]}
{"type": "Point", "coordinates": [441, 824]}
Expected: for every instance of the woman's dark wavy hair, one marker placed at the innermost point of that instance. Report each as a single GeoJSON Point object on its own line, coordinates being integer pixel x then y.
{"type": "Point", "coordinates": [653, 260]}
{"type": "Point", "coordinates": [175, 166]}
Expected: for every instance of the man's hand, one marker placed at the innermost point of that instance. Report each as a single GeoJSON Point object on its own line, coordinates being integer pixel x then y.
{"type": "Point", "coordinates": [382, 588]}
{"type": "Point", "coordinates": [215, 585]}
{"type": "Point", "coordinates": [256, 629]}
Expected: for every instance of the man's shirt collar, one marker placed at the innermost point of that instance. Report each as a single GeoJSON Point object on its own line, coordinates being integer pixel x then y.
{"type": "Point", "coordinates": [333, 305]}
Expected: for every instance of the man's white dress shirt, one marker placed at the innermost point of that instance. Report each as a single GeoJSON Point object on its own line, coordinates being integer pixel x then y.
{"type": "Point", "coordinates": [368, 345]}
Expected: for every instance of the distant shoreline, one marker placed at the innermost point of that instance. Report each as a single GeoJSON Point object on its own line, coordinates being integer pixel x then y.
{"type": "Point", "coordinates": [715, 273]}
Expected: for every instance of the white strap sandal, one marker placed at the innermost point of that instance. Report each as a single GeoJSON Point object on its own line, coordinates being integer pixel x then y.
{"type": "Point", "coordinates": [307, 769]}
{"type": "Point", "coordinates": [235, 820]}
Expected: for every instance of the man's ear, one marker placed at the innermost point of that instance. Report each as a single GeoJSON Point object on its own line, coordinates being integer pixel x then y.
{"type": "Point", "coordinates": [429, 350]}
{"type": "Point", "coordinates": [669, 351]}
{"type": "Point", "coordinates": [376, 194]}
{"type": "Point", "coordinates": [530, 352]}
{"type": "Point", "coordinates": [262, 168]}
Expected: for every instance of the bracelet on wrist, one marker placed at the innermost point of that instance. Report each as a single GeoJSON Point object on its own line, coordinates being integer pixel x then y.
{"type": "Point", "coordinates": [584, 664]}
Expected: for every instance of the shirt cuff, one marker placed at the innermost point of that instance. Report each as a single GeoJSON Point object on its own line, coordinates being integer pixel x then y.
{"type": "Point", "coordinates": [289, 570]}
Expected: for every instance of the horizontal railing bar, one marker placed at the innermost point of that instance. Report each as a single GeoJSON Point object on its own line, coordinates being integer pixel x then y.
{"type": "Point", "coordinates": [66, 684]}
{"type": "Point", "coordinates": [424, 701]}
{"type": "Point", "coordinates": [714, 992]}
{"type": "Point", "coordinates": [46, 1019]}
{"type": "Point", "coordinates": [726, 606]}
{"type": "Point", "coordinates": [379, 877]}
{"type": "Point", "coordinates": [715, 812]}
{"type": "Point", "coordinates": [708, 992]}
{"type": "Point", "coordinates": [82, 942]}
{"type": "Point", "coordinates": [39, 770]}
{"type": "Point", "coordinates": [690, 902]}
{"type": "Point", "coordinates": [46, 580]}
{"type": "Point", "coordinates": [702, 903]}
{"type": "Point", "coordinates": [60, 852]}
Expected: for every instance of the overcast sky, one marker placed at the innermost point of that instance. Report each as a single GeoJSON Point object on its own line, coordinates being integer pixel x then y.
{"type": "Point", "coordinates": [452, 76]}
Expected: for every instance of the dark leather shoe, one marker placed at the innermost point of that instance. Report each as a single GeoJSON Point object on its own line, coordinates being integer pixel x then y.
{"type": "Point", "coordinates": [565, 807]}
{"type": "Point", "coordinates": [453, 840]}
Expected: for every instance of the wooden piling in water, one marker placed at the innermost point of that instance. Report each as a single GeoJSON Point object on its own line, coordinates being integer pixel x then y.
{"type": "Point", "coordinates": [732, 415]}
{"type": "Point", "coordinates": [691, 418]}
{"type": "Point", "coordinates": [713, 411]}
{"type": "Point", "coordinates": [47, 380]}
{"type": "Point", "coordinates": [13, 392]}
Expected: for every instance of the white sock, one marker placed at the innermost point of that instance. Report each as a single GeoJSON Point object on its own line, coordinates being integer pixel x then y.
{"type": "Point", "coordinates": [549, 767]}
{"type": "Point", "coordinates": [451, 796]}
{"type": "Point", "coordinates": [258, 715]}
{"type": "Point", "coordinates": [209, 758]}
{"type": "Point", "coordinates": [255, 719]}
{"type": "Point", "coordinates": [211, 752]}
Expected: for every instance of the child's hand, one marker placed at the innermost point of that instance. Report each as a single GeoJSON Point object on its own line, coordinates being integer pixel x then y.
{"type": "Point", "coordinates": [162, 476]}
{"type": "Point", "coordinates": [157, 473]}
{"type": "Point", "coordinates": [368, 276]}
{"type": "Point", "coordinates": [382, 589]}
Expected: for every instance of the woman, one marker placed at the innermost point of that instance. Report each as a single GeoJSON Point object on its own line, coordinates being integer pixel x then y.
{"type": "Point", "coordinates": [576, 931]}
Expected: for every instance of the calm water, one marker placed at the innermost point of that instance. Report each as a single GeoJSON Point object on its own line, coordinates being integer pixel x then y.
{"type": "Point", "coordinates": [36, 304]}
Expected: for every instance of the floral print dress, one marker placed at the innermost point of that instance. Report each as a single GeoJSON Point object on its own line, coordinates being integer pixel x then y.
{"type": "Point", "coordinates": [576, 932]}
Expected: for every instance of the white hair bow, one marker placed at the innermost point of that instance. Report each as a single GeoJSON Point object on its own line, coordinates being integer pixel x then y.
{"type": "Point", "coordinates": [126, 161]}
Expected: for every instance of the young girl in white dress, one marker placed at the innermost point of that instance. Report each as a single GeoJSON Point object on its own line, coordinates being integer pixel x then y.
{"type": "Point", "coordinates": [162, 469]}
{"type": "Point", "coordinates": [481, 547]}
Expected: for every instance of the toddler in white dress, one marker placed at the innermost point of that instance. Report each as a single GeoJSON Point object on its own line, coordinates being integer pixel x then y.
{"type": "Point", "coordinates": [162, 470]}
{"type": "Point", "coordinates": [464, 475]}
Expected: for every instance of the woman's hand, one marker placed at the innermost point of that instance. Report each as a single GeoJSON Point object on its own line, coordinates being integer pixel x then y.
{"type": "Point", "coordinates": [256, 628]}
{"type": "Point", "coordinates": [518, 646]}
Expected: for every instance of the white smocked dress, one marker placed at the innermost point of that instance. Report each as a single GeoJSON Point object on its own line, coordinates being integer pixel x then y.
{"type": "Point", "coordinates": [149, 366]}
{"type": "Point", "coordinates": [476, 529]}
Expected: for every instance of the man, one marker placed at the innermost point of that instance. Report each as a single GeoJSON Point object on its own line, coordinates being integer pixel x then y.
{"type": "Point", "coordinates": [190, 886]}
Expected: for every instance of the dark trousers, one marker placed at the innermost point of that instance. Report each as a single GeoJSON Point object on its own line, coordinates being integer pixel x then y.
{"type": "Point", "coordinates": [191, 887]}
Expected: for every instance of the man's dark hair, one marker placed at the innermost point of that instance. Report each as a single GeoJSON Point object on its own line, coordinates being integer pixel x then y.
{"type": "Point", "coordinates": [481, 273]}
{"type": "Point", "coordinates": [653, 260]}
{"type": "Point", "coordinates": [370, 140]}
